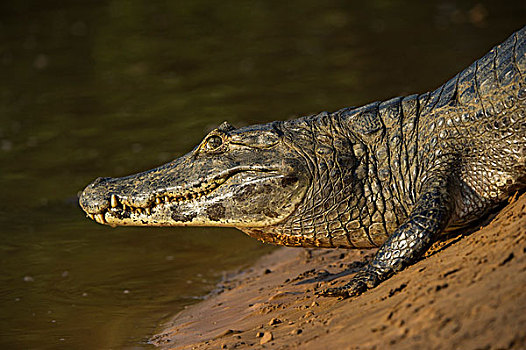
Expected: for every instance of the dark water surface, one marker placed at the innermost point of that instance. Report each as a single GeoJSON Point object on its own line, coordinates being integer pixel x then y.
{"type": "Point", "coordinates": [108, 88]}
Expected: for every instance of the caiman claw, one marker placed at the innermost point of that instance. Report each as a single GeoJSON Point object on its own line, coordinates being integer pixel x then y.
{"type": "Point", "coordinates": [361, 282]}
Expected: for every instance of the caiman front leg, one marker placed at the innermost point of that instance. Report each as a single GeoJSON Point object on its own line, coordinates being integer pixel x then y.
{"type": "Point", "coordinates": [409, 241]}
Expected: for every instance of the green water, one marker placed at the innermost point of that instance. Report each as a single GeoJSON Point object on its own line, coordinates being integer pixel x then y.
{"type": "Point", "coordinates": [108, 88]}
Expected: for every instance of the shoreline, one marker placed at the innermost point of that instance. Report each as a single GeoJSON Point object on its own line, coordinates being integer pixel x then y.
{"type": "Point", "coordinates": [468, 292]}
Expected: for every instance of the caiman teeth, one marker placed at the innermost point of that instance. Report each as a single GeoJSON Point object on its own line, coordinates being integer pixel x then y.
{"type": "Point", "coordinates": [204, 190]}
{"type": "Point", "coordinates": [200, 191]}
{"type": "Point", "coordinates": [114, 201]}
{"type": "Point", "coordinates": [100, 218]}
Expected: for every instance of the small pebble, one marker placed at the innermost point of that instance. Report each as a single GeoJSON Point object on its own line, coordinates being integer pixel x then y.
{"type": "Point", "coordinates": [259, 334]}
{"type": "Point", "coordinates": [274, 321]}
{"type": "Point", "coordinates": [267, 336]}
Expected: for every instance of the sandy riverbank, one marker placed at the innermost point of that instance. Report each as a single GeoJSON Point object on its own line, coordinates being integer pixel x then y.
{"type": "Point", "coordinates": [468, 293]}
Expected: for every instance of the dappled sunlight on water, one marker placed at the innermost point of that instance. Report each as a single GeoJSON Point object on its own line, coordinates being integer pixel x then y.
{"type": "Point", "coordinates": [109, 88]}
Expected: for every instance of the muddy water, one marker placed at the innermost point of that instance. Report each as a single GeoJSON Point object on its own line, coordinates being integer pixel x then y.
{"type": "Point", "coordinates": [108, 88]}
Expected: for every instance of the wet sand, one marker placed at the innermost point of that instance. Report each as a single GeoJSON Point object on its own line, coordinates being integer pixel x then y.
{"type": "Point", "coordinates": [469, 292]}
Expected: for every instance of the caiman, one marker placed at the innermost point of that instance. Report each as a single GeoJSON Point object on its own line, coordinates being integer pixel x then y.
{"type": "Point", "coordinates": [395, 174]}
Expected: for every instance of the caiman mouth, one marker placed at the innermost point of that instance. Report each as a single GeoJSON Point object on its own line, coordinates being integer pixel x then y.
{"type": "Point", "coordinates": [120, 206]}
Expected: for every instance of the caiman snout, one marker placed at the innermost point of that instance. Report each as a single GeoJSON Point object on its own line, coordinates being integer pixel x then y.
{"type": "Point", "coordinates": [92, 199]}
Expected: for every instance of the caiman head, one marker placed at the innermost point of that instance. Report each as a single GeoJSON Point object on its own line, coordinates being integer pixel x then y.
{"type": "Point", "coordinates": [245, 178]}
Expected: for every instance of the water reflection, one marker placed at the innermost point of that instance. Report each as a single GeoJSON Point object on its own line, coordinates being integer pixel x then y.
{"type": "Point", "coordinates": [107, 88]}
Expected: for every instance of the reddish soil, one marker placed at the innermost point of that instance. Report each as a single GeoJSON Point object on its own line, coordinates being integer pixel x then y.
{"type": "Point", "coordinates": [469, 292]}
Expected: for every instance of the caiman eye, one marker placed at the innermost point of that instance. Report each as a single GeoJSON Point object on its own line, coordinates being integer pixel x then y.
{"type": "Point", "coordinates": [213, 143]}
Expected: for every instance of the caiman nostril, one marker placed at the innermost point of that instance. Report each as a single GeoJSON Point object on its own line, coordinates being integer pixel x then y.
{"type": "Point", "coordinates": [100, 180]}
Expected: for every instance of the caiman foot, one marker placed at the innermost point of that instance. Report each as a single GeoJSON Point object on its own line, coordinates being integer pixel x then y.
{"type": "Point", "coordinates": [361, 282]}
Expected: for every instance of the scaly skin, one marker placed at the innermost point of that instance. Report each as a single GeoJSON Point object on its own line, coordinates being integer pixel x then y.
{"type": "Point", "coordinates": [393, 175]}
